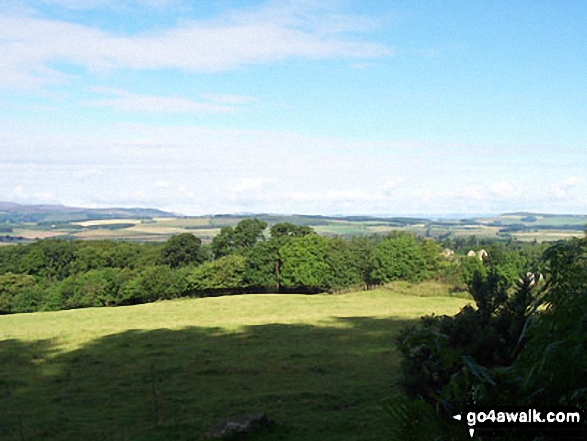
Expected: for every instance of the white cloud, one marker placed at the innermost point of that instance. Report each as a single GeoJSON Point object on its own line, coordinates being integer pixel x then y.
{"type": "Point", "coordinates": [251, 184]}
{"type": "Point", "coordinates": [473, 193]}
{"type": "Point", "coordinates": [151, 103]}
{"type": "Point", "coordinates": [250, 191]}
{"type": "Point", "coordinates": [184, 191]}
{"type": "Point", "coordinates": [85, 172]}
{"type": "Point", "coordinates": [567, 188]}
{"type": "Point", "coordinates": [391, 185]}
{"type": "Point", "coordinates": [43, 196]}
{"type": "Point", "coordinates": [115, 4]}
{"type": "Point", "coordinates": [273, 32]}
{"type": "Point", "coordinates": [130, 197]}
{"type": "Point", "coordinates": [19, 192]}
{"type": "Point", "coordinates": [197, 170]}
{"type": "Point", "coordinates": [229, 99]}
{"type": "Point", "coordinates": [572, 181]}
{"type": "Point", "coordinates": [505, 191]}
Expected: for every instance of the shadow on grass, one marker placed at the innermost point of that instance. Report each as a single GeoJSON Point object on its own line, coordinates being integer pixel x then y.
{"type": "Point", "coordinates": [316, 382]}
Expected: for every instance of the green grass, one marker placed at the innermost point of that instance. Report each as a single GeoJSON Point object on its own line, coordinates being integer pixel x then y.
{"type": "Point", "coordinates": [426, 289]}
{"type": "Point", "coordinates": [318, 365]}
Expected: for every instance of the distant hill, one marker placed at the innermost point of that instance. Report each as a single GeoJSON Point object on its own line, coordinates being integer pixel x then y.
{"type": "Point", "coordinates": [21, 223]}
{"type": "Point", "coordinates": [12, 212]}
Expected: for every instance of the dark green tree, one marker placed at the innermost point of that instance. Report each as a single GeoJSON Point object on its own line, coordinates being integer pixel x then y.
{"type": "Point", "coordinates": [241, 238]}
{"type": "Point", "coordinates": [261, 273]}
{"type": "Point", "coordinates": [469, 265]}
{"type": "Point", "coordinates": [182, 250]}
{"type": "Point", "coordinates": [398, 257]}
{"type": "Point", "coordinates": [12, 286]}
{"type": "Point", "coordinates": [343, 269]}
{"type": "Point", "coordinates": [223, 243]}
{"type": "Point", "coordinates": [431, 252]}
{"type": "Point", "coordinates": [304, 266]}
{"type": "Point", "coordinates": [49, 258]}
{"type": "Point", "coordinates": [287, 229]}
{"type": "Point", "coordinates": [248, 232]}
{"type": "Point", "coordinates": [221, 276]}
{"type": "Point", "coordinates": [361, 249]}
{"type": "Point", "coordinates": [97, 287]}
{"type": "Point", "coordinates": [149, 284]}
{"type": "Point", "coordinates": [92, 255]}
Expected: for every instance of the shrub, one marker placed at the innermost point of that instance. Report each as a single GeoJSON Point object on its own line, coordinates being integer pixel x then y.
{"type": "Point", "coordinates": [398, 257]}
{"type": "Point", "coordinates": [222, 276]}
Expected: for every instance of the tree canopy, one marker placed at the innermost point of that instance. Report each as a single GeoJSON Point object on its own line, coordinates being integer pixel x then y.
{"type": "Point", "coordinates": [60, 274]}
{"type": "Point", "coordinates": [182, 250]}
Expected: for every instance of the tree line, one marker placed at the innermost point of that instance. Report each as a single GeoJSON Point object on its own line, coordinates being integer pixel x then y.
{"type": "Point", "coordinates": [54, 274]}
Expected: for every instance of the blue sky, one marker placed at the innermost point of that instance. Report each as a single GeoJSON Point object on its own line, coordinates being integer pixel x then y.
{"type": "Point", "coordinates": [331, 107]}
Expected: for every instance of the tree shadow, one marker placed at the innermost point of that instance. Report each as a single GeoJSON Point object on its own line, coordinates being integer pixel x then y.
{"type": "Point", "coordinates": [316, 382]}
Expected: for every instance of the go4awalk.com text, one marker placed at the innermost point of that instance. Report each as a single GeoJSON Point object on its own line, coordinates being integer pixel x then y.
{"type": "Point", "coordinates": [557, 422]}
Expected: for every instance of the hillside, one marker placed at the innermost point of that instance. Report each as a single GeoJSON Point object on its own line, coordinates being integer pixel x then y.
{"type": "Point", "coordinates": [12, 213]}
{"type": "Point", "coordinates": [318, 365]}
{"type": "Point", "coordinates": [19, 223]}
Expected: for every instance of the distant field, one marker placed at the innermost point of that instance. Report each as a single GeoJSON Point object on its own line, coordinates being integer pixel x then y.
{"type": "Point", "coordinates": [183, 223]}
{"type": "Point", "coordinates": [318, 365]}
{"type": "Point", "coordinates": [36, 234]}
{"type": "Point", "coordinates": [107, 222]}
{"type": "Point", "coordinates": [519, 226]}
{"type": "Point", "coordinates": [551, 235]}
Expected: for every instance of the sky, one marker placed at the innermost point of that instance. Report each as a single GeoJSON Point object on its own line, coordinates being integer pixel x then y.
{"type": "Point", "coordinates": [336, 107]}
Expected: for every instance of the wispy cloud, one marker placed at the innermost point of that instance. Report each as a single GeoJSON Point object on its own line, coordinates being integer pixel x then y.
{"type": "Point", "coordinates": [273, 32]}
{"type": "Point", "coordinates": [19, 194]}
{"type": "Point", "coordinates": [229, 99]}
{"type": "Point", "coordinates": [251, 184]}
{"type": "Point", "coordinates": [115, 4]}
{"type": "Point", "coordinates": [566, 189]}
{"type": "Point", "coordinates": [129, 102]}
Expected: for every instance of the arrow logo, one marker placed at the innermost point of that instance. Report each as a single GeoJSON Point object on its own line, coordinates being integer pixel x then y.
{"type": "Point", "coordinates": [459, 417]}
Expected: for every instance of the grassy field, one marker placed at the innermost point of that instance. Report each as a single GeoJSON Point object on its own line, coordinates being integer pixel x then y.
{"type": "Point", "coordinates": [319, 366]}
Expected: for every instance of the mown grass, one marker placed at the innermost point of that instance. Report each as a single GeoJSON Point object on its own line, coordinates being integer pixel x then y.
{"type": "Point", "coordinates": [318, 365]}
{"type": "Point", "coordinates": [427, 289]}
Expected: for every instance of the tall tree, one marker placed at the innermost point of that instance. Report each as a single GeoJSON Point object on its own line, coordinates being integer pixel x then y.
{"type": "Point", "coordinates": [262, 267]}
{"type": "Point", "coordinates": [398, 257]}
{"type": "Point", "coordinates": [241, 238]}
{"type": "Point", "coordinates": [182, 250]}
{"type": "Point", "coordinates": [287, 229]}
{"type": "Point", "coordinates": [49, 258]}
{"type": "Point", "coordinates": [248, 232]}
{"type": "Point", "coordinates": [304, 264]}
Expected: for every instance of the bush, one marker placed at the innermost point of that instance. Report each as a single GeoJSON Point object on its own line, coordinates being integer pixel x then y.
{"type": "Point", "coordinates": [149, 284]}
{"type": "Point", "coordinates": [398, 257]}
{"type": "Point", "coordinates": [304, 265]}
{"type": "Point", "coordinates": [182, 250]}
{"type": "Point", "coordinates": [488, 336]}
{"type": "Point", "coordinates": [18, 293]}
{"type": "Point", "coordinates": [93, 288]}
{"type": "Point", "coordinates": [222, 276]}
{"type": "Point", "coordinates": [525, 349]}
